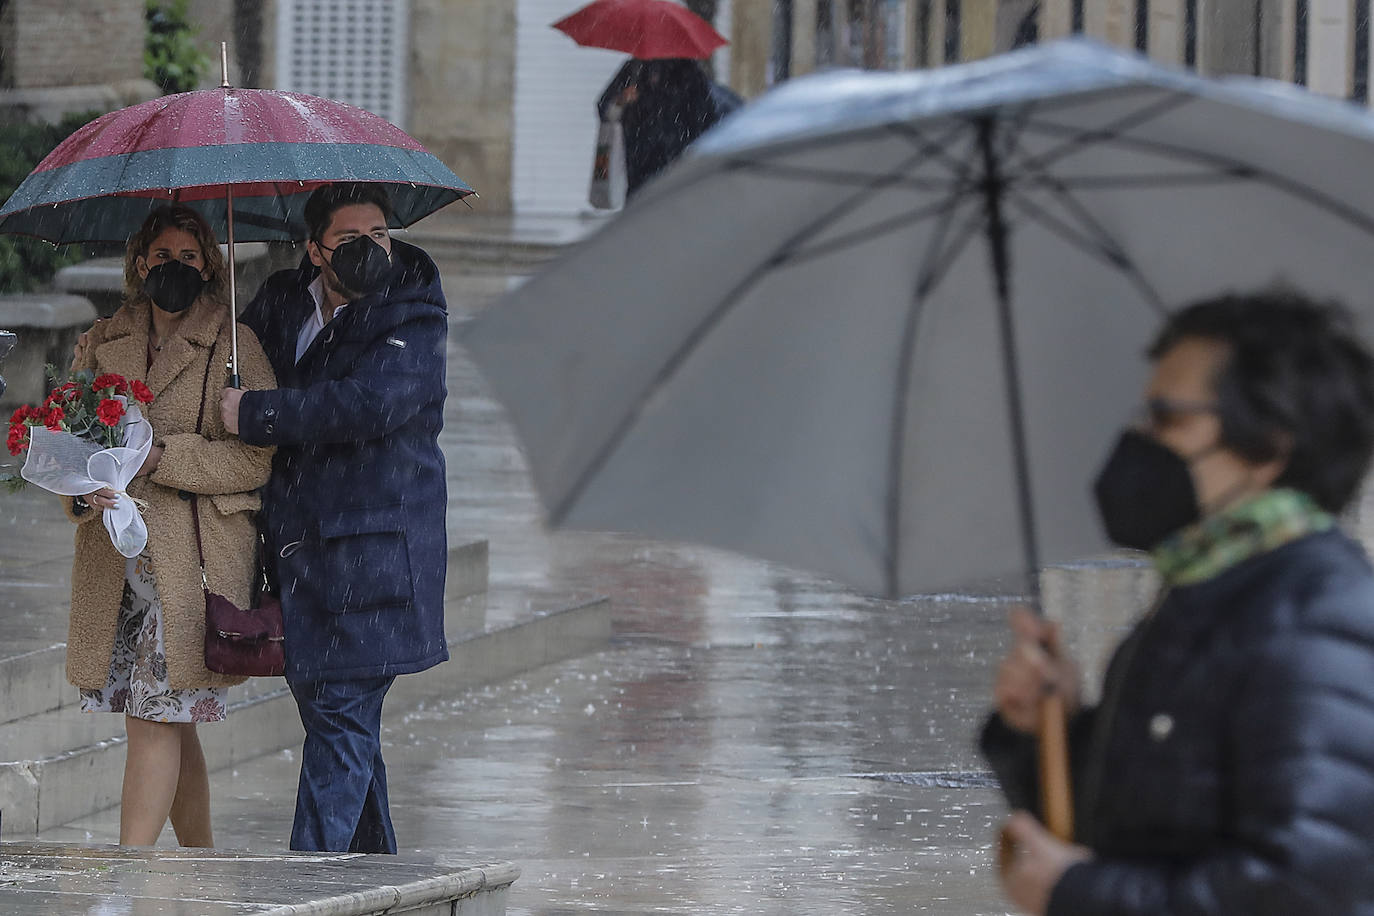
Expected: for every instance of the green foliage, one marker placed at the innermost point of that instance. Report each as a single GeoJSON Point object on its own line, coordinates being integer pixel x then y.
{"type": "Point", "coordinates": [170, 56]}
{"type": "Point", "coordinates": [26, 264]}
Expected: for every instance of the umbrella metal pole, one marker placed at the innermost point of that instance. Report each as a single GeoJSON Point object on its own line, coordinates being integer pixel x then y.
{"type": "Point", "coordinates": [233, 295]}
{"type": "Point", "coordinates": [229, 218]}
{"type": "Point", "coordinates": [1056, 797]}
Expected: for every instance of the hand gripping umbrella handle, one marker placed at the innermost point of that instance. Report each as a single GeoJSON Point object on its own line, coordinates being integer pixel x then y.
{"type": "Point", "coordinates": [1056, 798]}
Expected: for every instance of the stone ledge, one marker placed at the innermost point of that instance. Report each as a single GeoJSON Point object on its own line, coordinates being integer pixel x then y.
{"type": "Point", "coordinates": [33, 681]}
{"type": "Point", "coordinates": [50, 104]}
{"type": "Point", "coordinates": [44, 311]}
{"type": "Point", "coordinates": [58, 788]}
{"type": "Point", "coordinates": [46, 325]}
{"type": "Point", "coordinates": [42, 878]}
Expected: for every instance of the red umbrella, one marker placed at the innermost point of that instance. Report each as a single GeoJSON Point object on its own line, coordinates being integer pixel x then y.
{"type": "Point", "coordinates": [646, 29]}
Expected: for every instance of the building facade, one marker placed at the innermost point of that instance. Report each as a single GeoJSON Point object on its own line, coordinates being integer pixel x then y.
{"type": "Point", "coordinates": [508, 102]}
{"type": "Point", "coordinates": [1323, 44]}
{"type": "Point", "coordinates": [75, 56]}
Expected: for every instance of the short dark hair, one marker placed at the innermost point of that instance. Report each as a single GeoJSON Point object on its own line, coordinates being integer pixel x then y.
{"type": "Point", "coordinates": [320, 206]}
{"type": "Point", "coordinates": [1297, 382]}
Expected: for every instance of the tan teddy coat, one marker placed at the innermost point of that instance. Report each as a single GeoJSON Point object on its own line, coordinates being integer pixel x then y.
{"type": "Point", "coordinates": [215, 464]}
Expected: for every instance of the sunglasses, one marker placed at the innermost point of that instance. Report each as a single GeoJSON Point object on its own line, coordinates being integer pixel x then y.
{"type": "Point", "coordinates": [1162, 413]}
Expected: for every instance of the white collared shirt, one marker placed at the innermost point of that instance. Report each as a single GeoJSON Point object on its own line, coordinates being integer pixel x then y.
{"type": "Point", "coordinates": [314, 322]}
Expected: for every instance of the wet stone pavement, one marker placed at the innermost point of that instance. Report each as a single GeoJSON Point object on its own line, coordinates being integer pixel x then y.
{"type": "Point", "coordinates": [753, 740]}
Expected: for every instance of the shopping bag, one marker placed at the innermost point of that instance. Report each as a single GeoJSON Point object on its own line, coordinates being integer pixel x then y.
{"type": "Point", "coordinates": [609, 177]}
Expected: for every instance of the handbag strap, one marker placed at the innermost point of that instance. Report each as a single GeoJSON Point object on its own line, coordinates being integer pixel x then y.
{"type": "Point", "coordinates": [195, 499]}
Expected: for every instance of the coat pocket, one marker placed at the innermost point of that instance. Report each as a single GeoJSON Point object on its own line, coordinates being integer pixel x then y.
{"type": "Point", "coordinates": [229, 503]}
{"type": "Point", "coordinates": [366, 559]}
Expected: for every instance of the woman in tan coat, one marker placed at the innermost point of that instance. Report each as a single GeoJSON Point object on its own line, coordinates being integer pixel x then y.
{"type": "Point", "coordinates": [136, 641]}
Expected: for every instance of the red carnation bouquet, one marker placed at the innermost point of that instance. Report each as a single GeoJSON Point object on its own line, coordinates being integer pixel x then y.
{"type": "Point", "coordinates": [87, 405]}
{"type": "Point", "coordinates": [89, 434]}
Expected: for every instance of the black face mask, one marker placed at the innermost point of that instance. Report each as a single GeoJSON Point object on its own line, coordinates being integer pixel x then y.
{"type": "Point", "coordinates": [1145, 492]}
{"type": "Point", "coordinates": [173, 286]}
{"type": "Point", "coordinates": [361, 265]}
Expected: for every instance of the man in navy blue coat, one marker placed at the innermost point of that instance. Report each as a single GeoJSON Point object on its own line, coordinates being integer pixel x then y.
{"type": "Point", "coordinates": [354, 512]}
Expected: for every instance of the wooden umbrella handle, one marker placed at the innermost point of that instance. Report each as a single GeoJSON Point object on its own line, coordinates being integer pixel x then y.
{"type": "Point", "coordinates": [1056, 798]}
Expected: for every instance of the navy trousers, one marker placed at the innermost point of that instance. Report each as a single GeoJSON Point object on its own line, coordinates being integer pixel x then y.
{"type": "Point", "coordinates": [341, 803]}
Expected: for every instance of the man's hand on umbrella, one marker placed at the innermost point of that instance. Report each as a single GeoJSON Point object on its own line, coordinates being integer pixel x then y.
{"type": "Point", "coordinates": [1036, 666]}
{"type": "Point", "coordinates": [1037, 860]}
{"type": "Point", "coordinates": [229, 408]}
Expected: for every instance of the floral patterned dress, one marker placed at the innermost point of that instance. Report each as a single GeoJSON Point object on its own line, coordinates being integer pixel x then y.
{"type": "Point", "coordinates": [137, 685]}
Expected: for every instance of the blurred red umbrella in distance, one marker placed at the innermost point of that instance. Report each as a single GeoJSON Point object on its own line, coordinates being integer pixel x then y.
{"type": "Point", "coordinates": [646, 29]}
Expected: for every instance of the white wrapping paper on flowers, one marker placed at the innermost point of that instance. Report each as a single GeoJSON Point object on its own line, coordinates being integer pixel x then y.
{"type": "Point", "coordinates": [68, 465]}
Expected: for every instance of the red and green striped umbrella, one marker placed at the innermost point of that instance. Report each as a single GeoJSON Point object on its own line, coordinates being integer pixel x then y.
{"type": "Point", "coordinates": [264, 150]}
{"type": "Point", "coordinates": [246, 159]}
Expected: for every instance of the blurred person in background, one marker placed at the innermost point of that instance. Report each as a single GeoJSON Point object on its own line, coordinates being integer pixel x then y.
{"type": "Point", "coordinates": [664, 106]}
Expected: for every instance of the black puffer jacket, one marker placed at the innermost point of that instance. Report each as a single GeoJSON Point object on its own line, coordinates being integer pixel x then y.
{"type": "Point", "coordinates": [1230, 767]}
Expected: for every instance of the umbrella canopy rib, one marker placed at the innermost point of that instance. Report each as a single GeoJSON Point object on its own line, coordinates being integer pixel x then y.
{"type": "Point", "coordinates": [868, 233]}
{"type": "Point", "coordinates": [670, 367]}
{"type": "Point", "coordinates": [1225, 165]}
{"type": "Point", "coordinates": [1001, 269]}
{"type": "Point", "coordinates": [1099, 238]}
{"type": "Point", "coordinates": [1136, 182]}
{"type": "Point", "coordinates": [1078, 139]}
{"type": "Point", "coordinates": [839, 177]}
{"type": "Point", "coordinates": [959, 185]}
{"type": "Point", "coordinates": [1094, 248]}
{"type": "Point", "coordinates": [937, 259]}
{"type": "Point", "coordinates": [957, 165]}
{"type": "Point", "coordinates": [947, 253]}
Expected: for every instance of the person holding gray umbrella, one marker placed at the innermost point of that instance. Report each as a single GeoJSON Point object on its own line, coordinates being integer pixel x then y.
{"type": "Point", "coordinates": [911, 313]}
{"type": "Point", "coordinates": [1230, 765]}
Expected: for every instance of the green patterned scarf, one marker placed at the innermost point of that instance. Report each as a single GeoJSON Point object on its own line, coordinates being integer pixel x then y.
{"type": "Point", "coordinates": [1260, 524]}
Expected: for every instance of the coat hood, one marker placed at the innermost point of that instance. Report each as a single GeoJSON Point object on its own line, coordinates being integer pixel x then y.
{"type": "Point", "coordinates": [412, 283]}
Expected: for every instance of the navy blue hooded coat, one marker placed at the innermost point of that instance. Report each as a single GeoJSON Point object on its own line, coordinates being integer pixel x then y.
{"type": "Point", "coordinates": [358, 496]}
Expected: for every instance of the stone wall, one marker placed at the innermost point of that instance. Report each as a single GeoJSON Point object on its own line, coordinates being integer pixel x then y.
{"type": "Point", "coordinates": [46, 325]}
{"type": "Point", "coordinates": [462, 90]}
{"type": "Point", "coordinates": [72, 43]}
{"type": "Point", "coordinates": [461, 87]}
{"type": "Point", "coordinates": [215, 21]}
{"type": "Point", "coordinates": [751, 35]}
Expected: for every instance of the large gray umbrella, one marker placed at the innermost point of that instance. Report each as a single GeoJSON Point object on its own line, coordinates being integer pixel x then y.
{"type": "Point", "coordinates": [886, 326]}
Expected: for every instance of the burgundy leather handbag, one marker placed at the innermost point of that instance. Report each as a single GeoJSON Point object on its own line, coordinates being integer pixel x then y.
{"type": "Point", "coordinates": [239, 641]}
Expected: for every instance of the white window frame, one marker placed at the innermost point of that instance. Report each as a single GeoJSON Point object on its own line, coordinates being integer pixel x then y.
{"type": "Point", "coordinates": [395, 101]}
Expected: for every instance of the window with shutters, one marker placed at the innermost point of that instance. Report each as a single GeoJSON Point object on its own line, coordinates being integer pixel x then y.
{"type": "Point", "coordinates": [351, 50]}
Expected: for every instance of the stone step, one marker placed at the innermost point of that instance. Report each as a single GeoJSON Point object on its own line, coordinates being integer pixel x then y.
{"type": "Point", "coordinates": [53, 879]}
{"type": "Point", "coordinates": [485, 243]}
{"type": "Point", "coordinates": [59, 765]}
{"type": "Point", "coordinates": [33, 681]}
{"type": "Point", "coordinates": [494, 256]}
